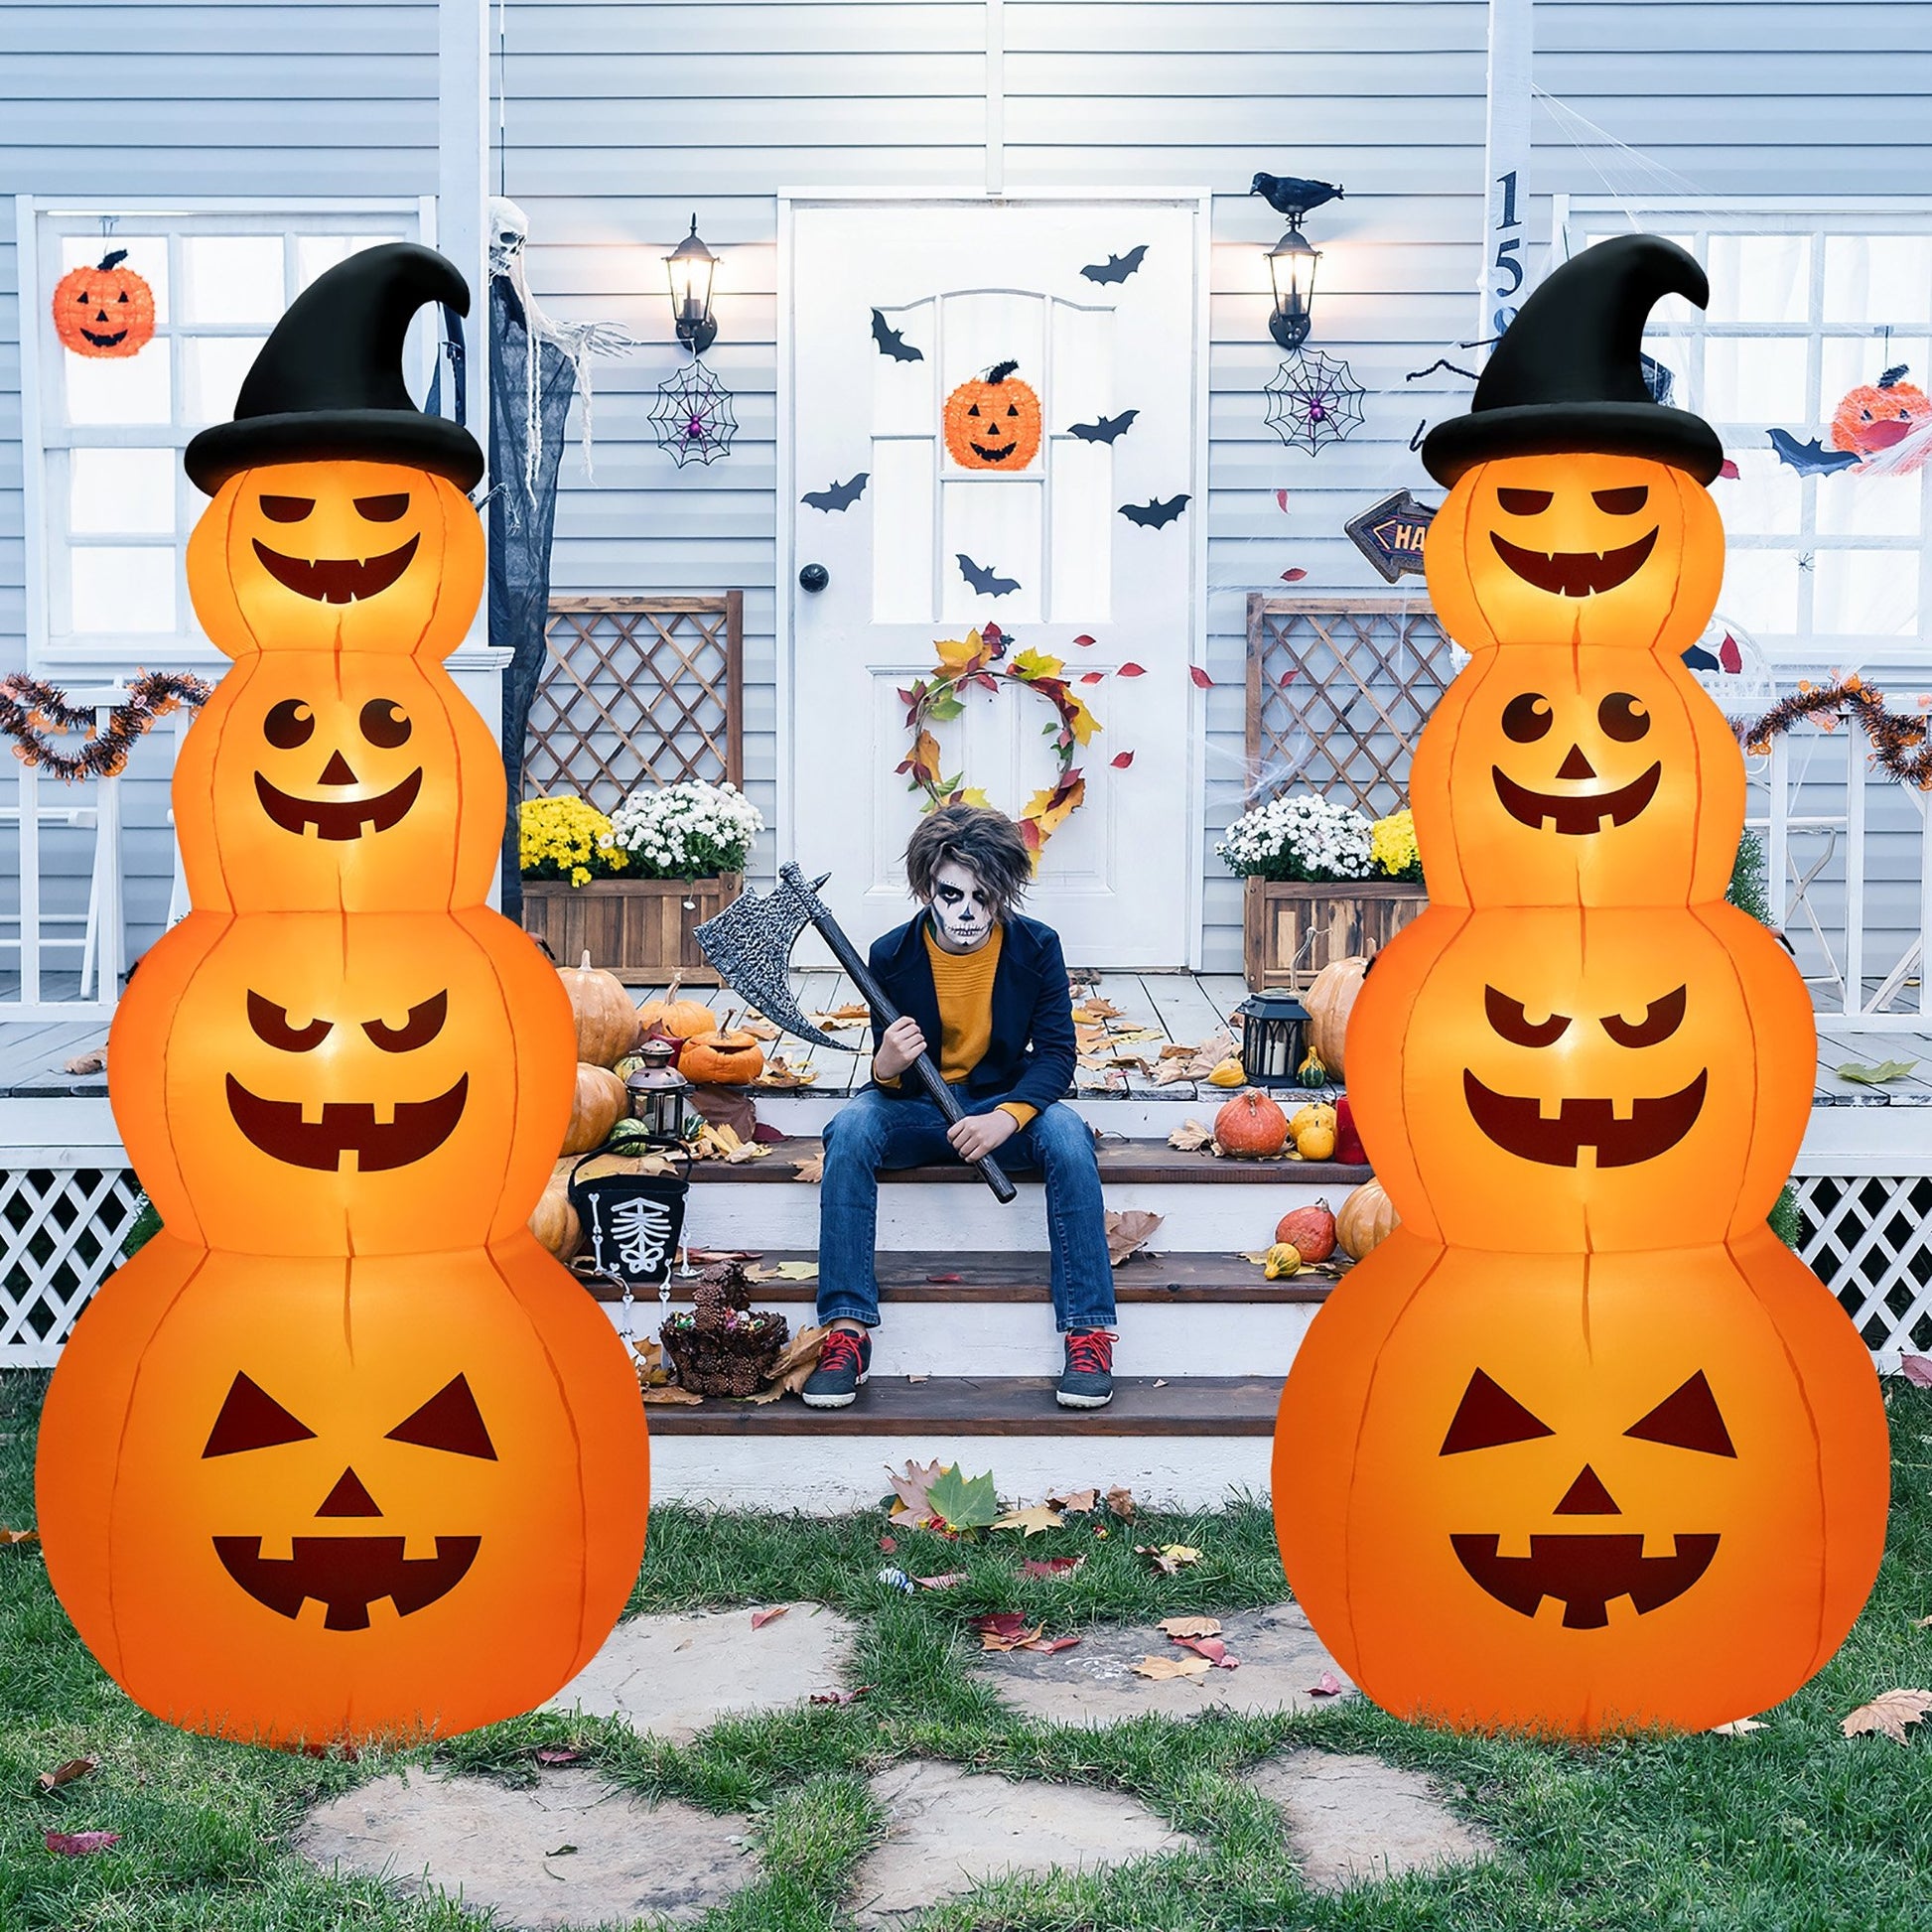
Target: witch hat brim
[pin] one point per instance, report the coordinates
(328, 383)
(1568, 375)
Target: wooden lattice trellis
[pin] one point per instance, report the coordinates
(60, 1235)
(638, 690)
(1339, 691)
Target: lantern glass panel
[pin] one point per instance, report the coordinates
(1274, 1038)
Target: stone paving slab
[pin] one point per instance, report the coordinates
(1279, 1655)
(950, 1829)
(501, 1849)
(1352, 1819)
(675, 1675)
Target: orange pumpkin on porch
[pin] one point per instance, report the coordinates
(104, 311)
(731, 1059)
(1251, 1125)
(673, 1019)
(993, 421)
(607, 1022)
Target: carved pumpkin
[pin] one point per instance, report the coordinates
(1251, 1125)
(1366, 1220)
(104, 311)
(309, 1085)
(295, 1443)
(1329, 1000)
(1574, 549)
(1878, 415)
(606, 1021)
(993, 421)
(722, 1059)
(1583, 1080)
(1581, 1491)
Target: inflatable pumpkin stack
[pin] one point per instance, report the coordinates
(342, 1451)
(1581, 1444)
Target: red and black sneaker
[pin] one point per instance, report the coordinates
(844, 1362)
(1087, 1380)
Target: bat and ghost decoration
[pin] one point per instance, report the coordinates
(1116, 268)
(1108, 428)
(891, 343)
(1152, 514)
(985, 581)
(838, 495)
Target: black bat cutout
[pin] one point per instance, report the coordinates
(1151, 514)
(1105, 429)
(986, 581)
(891, 342)
(840, 495)
(1116, 268)
(1810, 458)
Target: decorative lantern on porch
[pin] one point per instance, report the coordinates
(1274, 1038)
(657, 1091)
(690, 267)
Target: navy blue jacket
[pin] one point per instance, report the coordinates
(1031, 1056)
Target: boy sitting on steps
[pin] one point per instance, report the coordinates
(984, 990)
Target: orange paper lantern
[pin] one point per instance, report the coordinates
(105, 312)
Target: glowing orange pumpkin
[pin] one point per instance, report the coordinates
(1878, 415)
(104, 311)
(993, 421)
(327, 1482)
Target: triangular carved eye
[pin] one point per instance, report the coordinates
(251, 1419)
(1687, 1419)
(1488, 1417)
(450, 1419)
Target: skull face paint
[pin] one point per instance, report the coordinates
(963, 909)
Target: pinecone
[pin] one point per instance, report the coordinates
(719, 1292)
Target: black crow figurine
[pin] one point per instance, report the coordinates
(1289, 195)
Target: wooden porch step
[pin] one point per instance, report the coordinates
(995, 1405)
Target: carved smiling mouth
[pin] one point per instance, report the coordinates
(1584, 1572)
(996, 453)
(1576, 573)
(1576, 813)
(341, 818)
(335, 580)
(277, 1127)
(347, 1572)
(1515, 1122)
(106, 342)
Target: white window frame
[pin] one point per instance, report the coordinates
(40, 224)
(1573, 216)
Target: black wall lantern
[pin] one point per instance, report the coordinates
(658, 1090)
(690, 266)
(1290, 271)
(1274, 1038)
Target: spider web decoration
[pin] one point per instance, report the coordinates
(1314, 401)
(693, 414)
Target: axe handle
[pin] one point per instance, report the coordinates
(991, 1171)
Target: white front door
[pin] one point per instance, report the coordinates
(1083, 546)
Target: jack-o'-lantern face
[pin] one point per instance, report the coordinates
(993, 422)
(1878, 416)
(106, 311)
(1604, 1078)
(302, 1499)
(338, 778)
(1576, 548)
(389, 1081)
(357, 555)
(1560, 775)
(1586, 1569)
(357, 1557)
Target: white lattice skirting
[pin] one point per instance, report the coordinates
(1869, 1238)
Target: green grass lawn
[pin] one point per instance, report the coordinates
(1792, 1827)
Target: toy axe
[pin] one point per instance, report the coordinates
(749, 943)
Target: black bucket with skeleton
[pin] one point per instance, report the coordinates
(632, 1223)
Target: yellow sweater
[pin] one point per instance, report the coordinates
(964, 982)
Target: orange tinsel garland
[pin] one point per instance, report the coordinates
(30, 709)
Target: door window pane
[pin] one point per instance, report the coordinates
(116, 590)
(122, 492)
(212, 367)
(1754, 379)
(1878, 280)
(119, 390)
(231, 278)
(1864, 593)
(1761, 278)
(1761, 591)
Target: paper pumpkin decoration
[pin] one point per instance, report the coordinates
(343, 1452)
(1580, 1492)
(993, 421)
(338, 1493)
(1580, 1445)
(104, 311)
(1877, 415)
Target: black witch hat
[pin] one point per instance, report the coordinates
(328, 383)
(1568, 375)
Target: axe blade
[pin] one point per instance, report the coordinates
(749, 944)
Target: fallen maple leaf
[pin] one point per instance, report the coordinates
(75, 1768)
(8, 1536)
(1021, 1640)
(1033, 1521)
(1736, 1727)
(1053, 1566)
(1329, 1685)
(887, 1544)
(77, 1844)
(839, 1697)
(1079, 1501)
(1121, 1502)
(962, 1502)
(1161, 1668)
(796, 1360)
(1049, 1646)
(785, 1271)
(1167, 1559)
(681, 1398)
(1889, 1711)
(1129, 1229)
(1213, 1649)
(1916, 1369)
(1191, 1626)
(944, 1581)
(759, 1618)
(812, 1167)
(909, 1489)
(1190, 1135)
(557, 1754)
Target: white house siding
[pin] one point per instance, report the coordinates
(206, 98)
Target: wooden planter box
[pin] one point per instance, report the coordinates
(637, 928)
(1290, 931)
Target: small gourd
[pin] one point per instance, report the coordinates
(1316, 1141)
(1227, 1074)
(1310, 1230)
(1311, 1072)
(1284, 1259)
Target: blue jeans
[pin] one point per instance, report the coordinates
(872, 1132)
